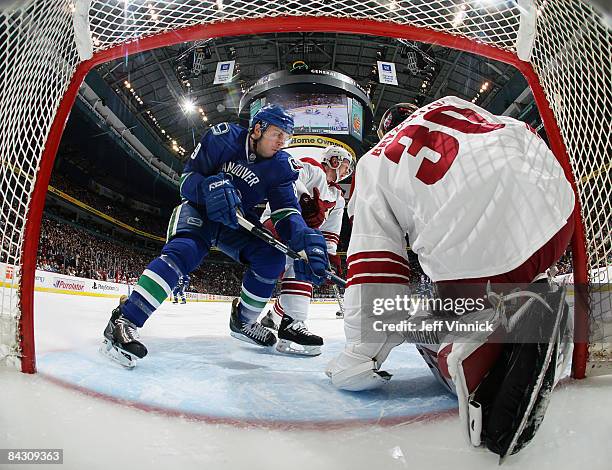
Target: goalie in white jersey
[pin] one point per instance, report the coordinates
(480, 197)
(322, 203)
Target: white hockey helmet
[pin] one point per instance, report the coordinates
(334, 155)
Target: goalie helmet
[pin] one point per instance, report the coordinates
(333, 156)
(395, 115)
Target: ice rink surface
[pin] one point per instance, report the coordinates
(204, 400)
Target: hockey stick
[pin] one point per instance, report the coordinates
(338, 299)
(270, 240)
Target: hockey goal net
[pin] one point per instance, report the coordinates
(563, 48)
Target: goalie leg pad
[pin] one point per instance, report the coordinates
(515, 394)
(357, 368)
(429, 353)
(356, 372)
(507, 393)
(366, 349)
(467, 364)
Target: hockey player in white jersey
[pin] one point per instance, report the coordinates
(482, 199)
(322, 203)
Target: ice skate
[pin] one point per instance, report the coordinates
(121, 341)
(339, 314)
(294, 338)
(254, 334)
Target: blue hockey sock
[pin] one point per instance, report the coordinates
(154, 286)
(255, 293)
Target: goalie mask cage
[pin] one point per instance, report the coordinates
(562, 47)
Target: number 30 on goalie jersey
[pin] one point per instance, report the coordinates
(476, 193)
(416, 137)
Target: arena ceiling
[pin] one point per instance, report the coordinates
(425, 73)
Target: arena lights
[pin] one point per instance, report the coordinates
(484, 88)
(492, 3)
(188, 106)
(176, 147)
(203, 114)
(425, 85)
(129, 86)
(183, 74)
(153, 13)
(460, 16)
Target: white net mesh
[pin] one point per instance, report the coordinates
(37, 61)
(113, 23)
(38, 57)
(574, 67)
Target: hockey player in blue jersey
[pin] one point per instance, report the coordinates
(232, 169)
(179, 290)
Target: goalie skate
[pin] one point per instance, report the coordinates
(294, 338)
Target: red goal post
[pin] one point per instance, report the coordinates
(48, 46)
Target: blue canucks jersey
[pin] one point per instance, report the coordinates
(225, 149)
(184, 281)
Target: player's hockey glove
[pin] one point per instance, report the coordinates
(314, 209)
(221, 199)
(313, 244)
(336, 263)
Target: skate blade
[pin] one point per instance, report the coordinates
(246, 339)
(117, 355)
(294, 349)
(340, 316)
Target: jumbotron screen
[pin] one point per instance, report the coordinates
(313, 113)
